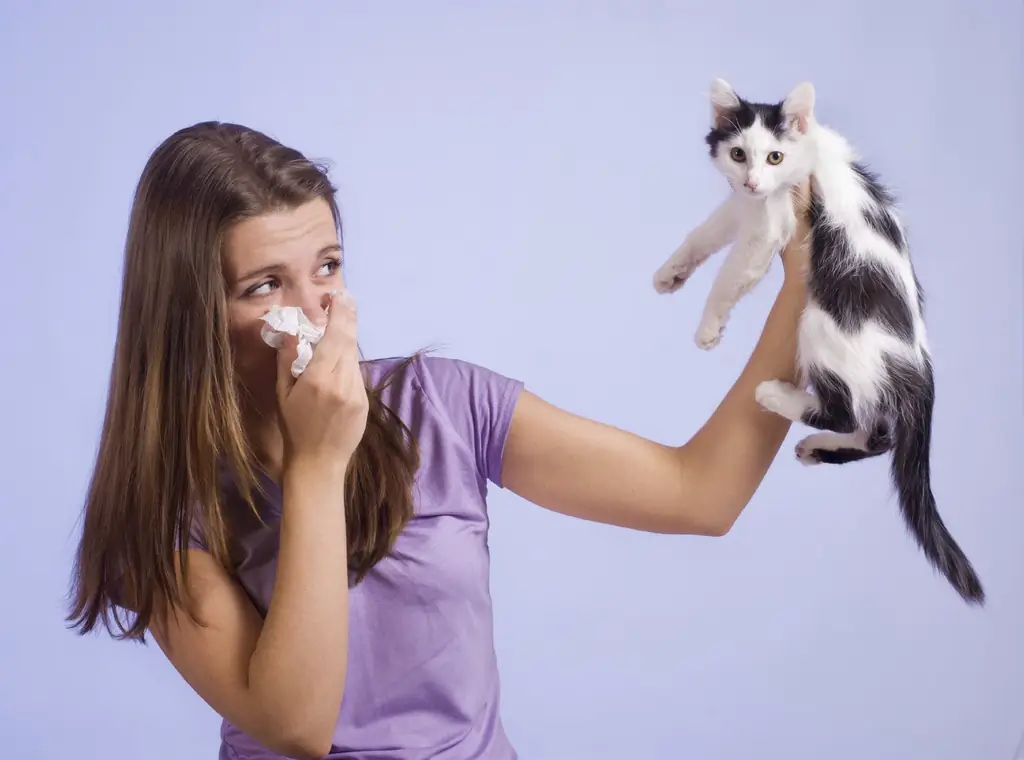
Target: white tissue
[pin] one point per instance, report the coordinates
(291, 320)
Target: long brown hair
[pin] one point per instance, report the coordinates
(173, 416)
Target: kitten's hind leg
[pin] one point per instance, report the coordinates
(840, 448)
(832, 407)
(744, 267)
(710, 237)
(830, 410)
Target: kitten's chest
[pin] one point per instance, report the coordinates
(772, 220)
(781, 219)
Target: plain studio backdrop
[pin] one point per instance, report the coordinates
(510, 177)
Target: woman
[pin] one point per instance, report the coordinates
(226, 490)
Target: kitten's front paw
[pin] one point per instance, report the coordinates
(671, 276)
(709, 334)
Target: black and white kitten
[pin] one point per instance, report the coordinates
(862, 343)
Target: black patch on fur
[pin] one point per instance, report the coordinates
(835, 403)
(877, 443)
(841, 456)
(742, 117)
(882, 222)
(879, 193)
(852, 291)
(880, 439)
(880, 218)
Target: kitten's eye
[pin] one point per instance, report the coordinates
(775, 158)
(737, 154)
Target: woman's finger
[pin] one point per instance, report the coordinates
(802, 197)
(334, 347)
(286, 354)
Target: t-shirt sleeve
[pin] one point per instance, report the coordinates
(197, 536)
(197, 532)
(478, 402)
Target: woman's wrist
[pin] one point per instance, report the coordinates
(796, 257)
(321, 474)
(794, 279)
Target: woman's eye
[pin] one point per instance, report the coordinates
(331, 267)
(263, 289)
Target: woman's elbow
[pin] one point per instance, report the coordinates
(710, 527)
(305, 747)
(719, 528)
(715, 520)
(302, 736)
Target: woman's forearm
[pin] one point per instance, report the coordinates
(298, 668)
(737, 445)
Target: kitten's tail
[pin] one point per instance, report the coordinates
(911, 474)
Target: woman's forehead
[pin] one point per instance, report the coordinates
(281, 236)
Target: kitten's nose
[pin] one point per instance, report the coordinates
(750, 185)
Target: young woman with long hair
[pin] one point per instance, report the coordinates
(311, 553)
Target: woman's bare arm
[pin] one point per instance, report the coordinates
(591, 470)
(280, 680)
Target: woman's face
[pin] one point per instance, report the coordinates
(287, 258)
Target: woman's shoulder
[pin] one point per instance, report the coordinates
(437, 375)
(468, 399)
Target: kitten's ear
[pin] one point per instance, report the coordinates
(798, 107)
(724, 101)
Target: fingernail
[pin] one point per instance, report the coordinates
(342, 295)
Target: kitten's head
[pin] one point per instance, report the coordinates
(761, 148)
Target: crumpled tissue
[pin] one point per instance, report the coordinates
(291, 320)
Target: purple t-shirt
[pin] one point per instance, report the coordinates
(422, 677)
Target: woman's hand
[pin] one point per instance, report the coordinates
(323, 412)
(796, 256)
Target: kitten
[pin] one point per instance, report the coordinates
(762, 152)
(862, 344)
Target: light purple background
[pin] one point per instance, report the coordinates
(511, 176)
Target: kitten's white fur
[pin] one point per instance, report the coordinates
(757, 217)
